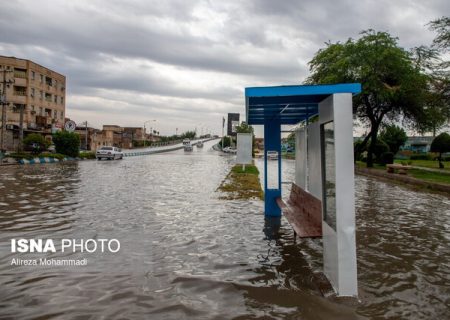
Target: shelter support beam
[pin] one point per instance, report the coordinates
(272, 189)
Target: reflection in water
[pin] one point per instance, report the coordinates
(187, 254)
(272, 227)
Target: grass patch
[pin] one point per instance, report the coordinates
(58, 156)
(362, 164)
(288, 155)
(430, 176)
(249, 169)
(242, 185)
(434, 164)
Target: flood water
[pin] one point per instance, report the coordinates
(185, 254)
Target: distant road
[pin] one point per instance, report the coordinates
(152, 150)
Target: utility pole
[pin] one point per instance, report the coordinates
(223, 126)
(22, 107)
(4, 103)
(86, 137)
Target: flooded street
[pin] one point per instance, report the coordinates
(187, 254)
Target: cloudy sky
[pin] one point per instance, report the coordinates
(185, 63)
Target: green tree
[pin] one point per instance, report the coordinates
(244, 128)
(36, 143)
(436, 111)
(188, 135)
(441, 144)
(391, 85)
(67, 143)
(226, 142)
(394, 136)
(442, 28)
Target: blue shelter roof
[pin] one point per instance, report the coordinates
(290, 104)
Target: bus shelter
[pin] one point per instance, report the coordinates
(322, 196)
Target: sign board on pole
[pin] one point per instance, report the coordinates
(70, 126)
(233, 121)
(244, 148)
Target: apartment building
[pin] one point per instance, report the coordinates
(35, 99)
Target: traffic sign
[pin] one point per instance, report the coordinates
(70, 126)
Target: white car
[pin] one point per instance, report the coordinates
(272, 155)
(229, 150)
(110, 153)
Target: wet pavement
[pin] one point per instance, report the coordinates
(187, 254)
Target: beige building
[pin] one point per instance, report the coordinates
(117, 136)
(35, 94)
(111, 135)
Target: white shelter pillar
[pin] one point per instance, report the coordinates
(338, 193)
(300, 158)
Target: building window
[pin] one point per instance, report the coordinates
(40, 111)
(20, 91)
(41, 78)
(62, 115)
(32, 108)
(55, 98)
(33, 74)
(62, 100)
(32, 92)
(41, 93)
(55, 114)
(56, 84)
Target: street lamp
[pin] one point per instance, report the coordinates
(143, 135)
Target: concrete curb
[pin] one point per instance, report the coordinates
(40, 160)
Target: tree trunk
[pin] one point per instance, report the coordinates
(360, 147)
(441, 165)
(373, 142)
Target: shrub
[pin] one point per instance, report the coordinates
(35, 143)
(421, 156)
(226, 142)
(358, 150)
(441, 144)
(87, 155)
(394, 136)
(67, 143)
(52, 155)
(21, 155)
(387, 158)
(380, 148)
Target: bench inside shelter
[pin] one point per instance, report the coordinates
(303, 211)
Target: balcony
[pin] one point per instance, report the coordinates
(20, 82)
(20, 99)
(20, 73)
